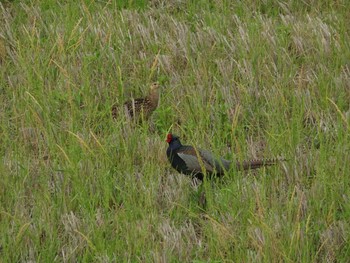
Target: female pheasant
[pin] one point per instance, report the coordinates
(141, 107)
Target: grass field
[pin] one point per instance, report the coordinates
(246, 79)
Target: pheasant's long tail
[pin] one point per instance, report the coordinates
(254, 164)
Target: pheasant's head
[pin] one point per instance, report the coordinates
(154, 86)
(171, 138)
(174, 141)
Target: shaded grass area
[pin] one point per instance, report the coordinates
(247, 80)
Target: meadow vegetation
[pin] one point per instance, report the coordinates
(246, 79)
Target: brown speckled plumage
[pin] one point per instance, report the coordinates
(141, 107)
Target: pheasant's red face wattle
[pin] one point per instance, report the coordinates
(169, 138)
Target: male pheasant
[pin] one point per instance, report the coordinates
(141, 107)
(192, 161)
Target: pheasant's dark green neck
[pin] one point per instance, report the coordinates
(175, 144)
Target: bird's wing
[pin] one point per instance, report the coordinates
(134, 104)
(190, 157)
(218, 164)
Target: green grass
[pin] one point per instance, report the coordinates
(244, 79)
